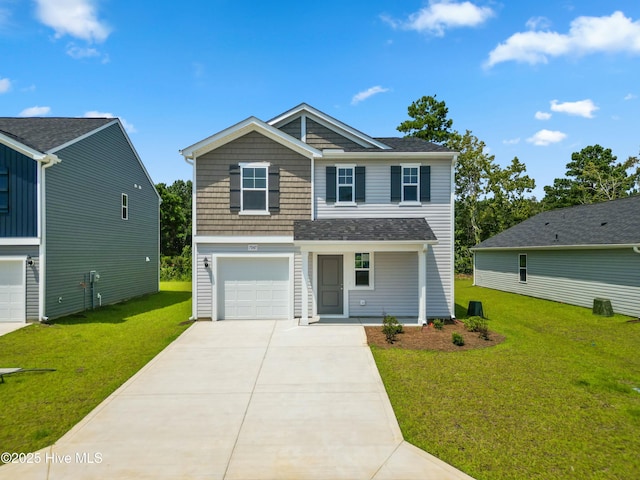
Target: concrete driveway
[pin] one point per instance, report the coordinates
(244, 400)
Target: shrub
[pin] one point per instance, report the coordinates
(477, 324)
(438, 324)
(176, 268)
(391, 327)
(457, 339)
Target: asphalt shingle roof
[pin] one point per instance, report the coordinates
(45, 133)
(403, 144)
(364, 229)
(616, 222)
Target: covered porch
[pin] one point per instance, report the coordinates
(361, 269)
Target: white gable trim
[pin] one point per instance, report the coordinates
(28, 151)
(251, 124)
(329, 122)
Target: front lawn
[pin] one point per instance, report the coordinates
(556, 400)
(93, 354)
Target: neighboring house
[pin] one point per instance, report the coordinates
(306, 217)
(79, 218)
(570, 255)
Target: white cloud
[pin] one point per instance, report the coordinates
(81, 52)
(95, 114)
(77, 18)
(35, 111)
(441, 15)
(546, 137)
(542, 115)
(630, 96)
(538, 23)
(362, 96)
(615, 33)
(5, 85)
(511, 141)
(581, 108)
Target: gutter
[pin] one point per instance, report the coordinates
(636, 249)
(48, 161)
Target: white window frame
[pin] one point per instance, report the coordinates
(125, 206)
(403, 184)
(521, 268)
(351, 202)
(266, 166)
(370, 270)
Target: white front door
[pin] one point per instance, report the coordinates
(253, 288)
(12, 291)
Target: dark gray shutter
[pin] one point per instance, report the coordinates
(234, 188)
(360, 184)
(274, 189)
(331, 184)
(396, 183)
(425, 183)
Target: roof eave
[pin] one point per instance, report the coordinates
(350, 242)
(27, 151)
(598, 246)
(337, 155)
(242, 128)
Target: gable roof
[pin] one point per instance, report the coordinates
(251, 124)
(328, 121)
(616, 222)
(364, 229)
(46, 133)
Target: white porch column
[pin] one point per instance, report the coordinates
(422, 284)
(304, 319)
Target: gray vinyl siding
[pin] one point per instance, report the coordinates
(33, 275)
(438, 212)
(395, 287)
(569, 276)
(205, 277)
(85, 230)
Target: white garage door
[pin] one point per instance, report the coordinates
(253, 288)
(12, 291)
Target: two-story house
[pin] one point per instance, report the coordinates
(306, 217)
(79, 218)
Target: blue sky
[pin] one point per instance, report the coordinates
(537, 80)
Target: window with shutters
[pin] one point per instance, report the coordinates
(254, 188)
(410, 184)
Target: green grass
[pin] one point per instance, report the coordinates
(555, 400)
(93, 354)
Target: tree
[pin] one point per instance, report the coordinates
(593, 176)
(428, 120)
(175, 217)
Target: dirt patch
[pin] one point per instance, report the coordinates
(430, 338)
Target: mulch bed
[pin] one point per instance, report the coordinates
(430, 338)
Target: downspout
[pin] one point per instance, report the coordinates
(51, 160)
(636, 249)
(194, 250)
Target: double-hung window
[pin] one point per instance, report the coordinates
(345, 184)
(410, 183)
(4, 190)
(125, 206)
(254, 188)
(363, 270)
(522, 267)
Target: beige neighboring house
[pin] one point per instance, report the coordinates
(303, 216)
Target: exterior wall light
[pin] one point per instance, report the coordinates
(206, 262)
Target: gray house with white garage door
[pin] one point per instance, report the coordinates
(571, 255)
(79, 218)
(303, 216)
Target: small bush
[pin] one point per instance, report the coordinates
(438, 324)
(457, 339)
(477, 324)
(391, 327)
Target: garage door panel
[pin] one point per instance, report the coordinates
(256, 288)
(12, 291)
